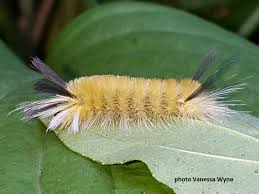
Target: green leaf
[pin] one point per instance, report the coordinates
(197, 151)
(35, 162)
(153, 41)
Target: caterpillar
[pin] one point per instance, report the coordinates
(108, 102)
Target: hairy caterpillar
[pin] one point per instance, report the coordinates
(121, 102)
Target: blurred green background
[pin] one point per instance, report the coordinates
(122, 38)
(29, 26)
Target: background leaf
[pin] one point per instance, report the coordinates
(35, 162)
(140, 39)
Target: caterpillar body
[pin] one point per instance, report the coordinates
(108, 102)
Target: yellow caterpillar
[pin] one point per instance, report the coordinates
(119, 102)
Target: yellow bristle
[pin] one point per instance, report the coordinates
(116, 99)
